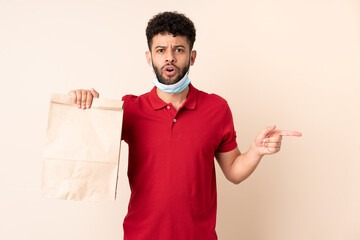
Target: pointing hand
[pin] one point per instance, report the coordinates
(269, 140)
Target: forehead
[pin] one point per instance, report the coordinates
(167, 39)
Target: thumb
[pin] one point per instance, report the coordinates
(94, 93)
(265, 133)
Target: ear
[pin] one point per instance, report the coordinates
(148, 58)
(193, 57)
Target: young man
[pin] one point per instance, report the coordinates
(174, 132)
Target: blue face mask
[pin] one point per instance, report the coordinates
(172, 88)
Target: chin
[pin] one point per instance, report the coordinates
(169, 81)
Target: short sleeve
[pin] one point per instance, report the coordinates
(228, 134)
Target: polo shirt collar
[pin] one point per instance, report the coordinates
(190, 102)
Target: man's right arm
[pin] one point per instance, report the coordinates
(83, 98)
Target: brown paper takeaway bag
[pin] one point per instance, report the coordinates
(82, 150)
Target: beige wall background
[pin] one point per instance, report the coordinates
(291, 63)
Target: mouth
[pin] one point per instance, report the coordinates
(170, 70)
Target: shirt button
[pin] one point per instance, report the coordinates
(168, 107)
(174, 120)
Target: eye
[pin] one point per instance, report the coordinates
(179, 50)
(160, 50)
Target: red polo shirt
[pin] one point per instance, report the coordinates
(171, 167)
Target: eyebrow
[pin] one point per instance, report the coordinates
(176, 46)
(179, 46)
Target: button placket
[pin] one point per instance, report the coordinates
(176, 122)
(172, 114)
(170, 111)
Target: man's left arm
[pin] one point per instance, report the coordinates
(237, 167)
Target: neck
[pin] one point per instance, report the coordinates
(175, 99)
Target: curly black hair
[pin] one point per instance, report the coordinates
(173, 23)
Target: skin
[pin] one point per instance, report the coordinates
(169, 50)
(237, 167)
(166, 50)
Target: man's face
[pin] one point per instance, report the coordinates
(171, 57)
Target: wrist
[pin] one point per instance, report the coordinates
(255, 151)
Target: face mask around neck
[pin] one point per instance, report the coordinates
(172, 88)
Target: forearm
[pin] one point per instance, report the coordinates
(244, 165)
(237, 167)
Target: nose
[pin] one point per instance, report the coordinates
(170, 57)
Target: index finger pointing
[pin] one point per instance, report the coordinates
(287, 133)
